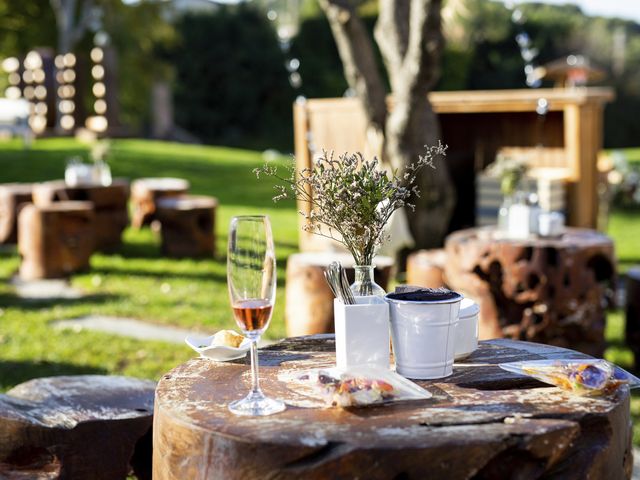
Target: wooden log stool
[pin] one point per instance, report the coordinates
(145, 192)
(187, 225)
(109, 203)
(425, 268)
(309, 301)
(77, 427)
(55, 240)
(12, 197)
(632, 312)
(547, 290)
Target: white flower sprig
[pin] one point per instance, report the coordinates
(352, 197)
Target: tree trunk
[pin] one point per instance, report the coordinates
(409, 35)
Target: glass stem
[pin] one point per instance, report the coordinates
(255, 384)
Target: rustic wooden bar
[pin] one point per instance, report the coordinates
(482, 423)
(475, 125)
(547, 290)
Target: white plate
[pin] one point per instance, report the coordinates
(221, 353)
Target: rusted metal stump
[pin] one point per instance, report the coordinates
(12, 197)
(187, 225)
(145, 192)
(77, 427)
(632, 312)
(552, 291)
(55, 240)
(109, 203)
(481, 423)
(309, 301)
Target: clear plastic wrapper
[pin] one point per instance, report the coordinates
(360, 386)
(589, 377)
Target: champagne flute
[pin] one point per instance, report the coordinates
(251, 277)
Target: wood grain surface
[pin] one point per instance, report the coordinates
(481, 422)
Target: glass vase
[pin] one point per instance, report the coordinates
(503, 213)
(365, 284)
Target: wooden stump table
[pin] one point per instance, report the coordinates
(187, 225)
(55, 240)
(12, 197)
(83, 427)
(109, 204)
(482, 423)
(547, 290)
(145, 192)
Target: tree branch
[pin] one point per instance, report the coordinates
(83, 23)
(360, 66)
(392, 35)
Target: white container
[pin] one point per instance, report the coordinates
(362, 332)
(550, 224)
(467, 329)
(424, 334)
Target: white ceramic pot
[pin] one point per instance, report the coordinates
(362, 332)
(423, 335)
(467, 329)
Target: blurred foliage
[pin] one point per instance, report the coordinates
(231, 85)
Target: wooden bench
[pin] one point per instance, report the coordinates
(145, 192)
(12, 197)
(89, 427)
(109, 203)
(55, 240)
(187, 225)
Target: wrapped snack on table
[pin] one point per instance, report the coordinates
(588, 377)
(361, 386)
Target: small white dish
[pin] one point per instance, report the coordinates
(220, 353)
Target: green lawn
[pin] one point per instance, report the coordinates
(138, 283)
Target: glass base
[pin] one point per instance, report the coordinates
(256, 404)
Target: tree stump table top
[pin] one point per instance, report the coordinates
(77, 427)
(547, 290)
(481, 422)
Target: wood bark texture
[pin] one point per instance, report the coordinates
(482, 423)
(409, 36)
(632, 312)
(109, 202)
(187, 225)
(85, 427)
(12, 197)
(55, 240)
(551, 291)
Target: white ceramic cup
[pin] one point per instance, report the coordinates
(467, 329)
(423, 335)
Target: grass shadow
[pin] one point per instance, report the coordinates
(8, 300)
(14, 372)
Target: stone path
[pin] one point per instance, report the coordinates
(128, 327)
(45, 289)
